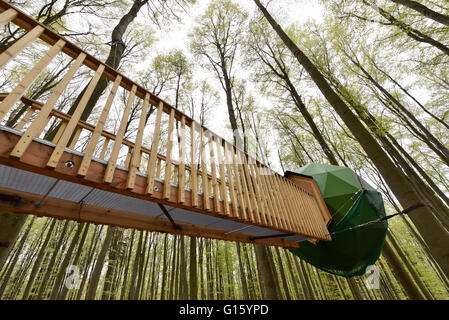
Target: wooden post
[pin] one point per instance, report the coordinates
(154, 148)
(90, 149)
(7, 16)
(193, 164)
(29, 78)
(62, 143)
(40, 122)
(21, 44)
(112, 163)
(168, 164)
(25, 119)
(136, 157)
(214, 174)
(182, 160)
(221, 165)
(204, 177)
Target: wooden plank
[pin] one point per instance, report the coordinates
(62, 143)
(221, 167)
(21, 44)
(244, 183)
(214, 174)
(136, 156)
(154, 147)
(90, 149)
(158, 167)
(230, 180)
(193, 164)
(7, 16)
(271, 196)
(287, 202)
(260, 194)
(238, 183)
(29, 79)
(279, 201)
(24, 119)
(204, 177)
(168, 164)
(252, 193)
(38, 124)
(61, 127)
(103, 151)
(182, 160)
(112, 162)
(75, 137)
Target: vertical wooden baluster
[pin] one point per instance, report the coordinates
(175, 173)
(182, 161)
(128, 157)
(21, 44)
(250, 183)
(234, 212)
(25, 119)
(271, 196)
(245, 189)
(62, 143)
(288, 213)
(261, 195)
(168, 164)
(204, 178)
(39, 123)
(61, 128)
(221, 166)
(103, 149)
(238, 183)
(75, 138)
(137, 155)
(280, 201)
(112, 163)
(154, 149)
(29, 78)
(214, 174)
(268, 195)
(298, 209)
(90, 149)
(158, 167)
(193, 164)
(7, 16)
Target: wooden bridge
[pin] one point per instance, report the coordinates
(195, 184)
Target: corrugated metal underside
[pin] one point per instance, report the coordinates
(21, 180)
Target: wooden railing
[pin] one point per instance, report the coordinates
(211, 175)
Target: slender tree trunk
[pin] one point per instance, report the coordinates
(95, 277)
(193, 278)
(16, 257)
(402, 275)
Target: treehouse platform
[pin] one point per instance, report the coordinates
(156, 169)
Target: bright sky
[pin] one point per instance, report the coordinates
(290, 11)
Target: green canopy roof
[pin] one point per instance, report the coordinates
(351, 202)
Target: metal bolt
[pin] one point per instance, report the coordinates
(69, 164)
(156, 188)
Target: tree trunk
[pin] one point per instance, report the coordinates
(264, 270)
(425, 11)
(95, 277)
(429, 227)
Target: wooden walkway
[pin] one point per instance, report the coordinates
(184, 173)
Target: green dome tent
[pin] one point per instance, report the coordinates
(352, 202)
